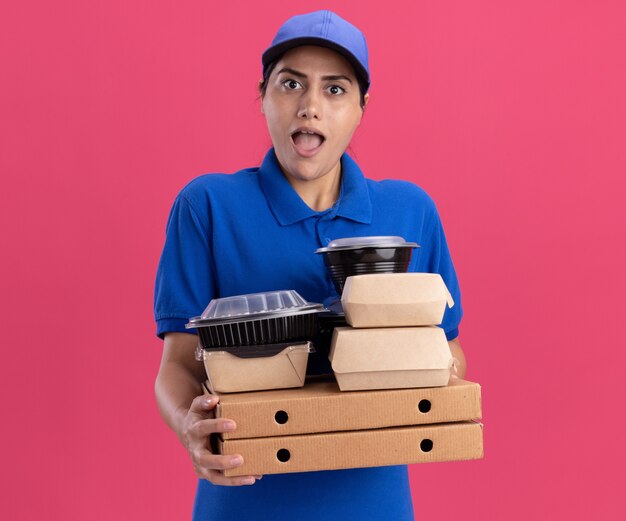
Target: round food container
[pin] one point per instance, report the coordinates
(328, 321)
(364, 255)
(256, 319)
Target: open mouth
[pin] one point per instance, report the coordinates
(307, 141)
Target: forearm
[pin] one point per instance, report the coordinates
(178, 381)
(175, 389)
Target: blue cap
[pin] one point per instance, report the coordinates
(326, 29)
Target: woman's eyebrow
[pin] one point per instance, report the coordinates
(336, 77)
(292, 71)
(332, 77)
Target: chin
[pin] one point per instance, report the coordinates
(306, 169)
(301, 168)
(305, 174)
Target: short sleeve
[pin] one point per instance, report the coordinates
(435, 258)
(184, 280)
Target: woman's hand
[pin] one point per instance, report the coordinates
(191, 416)
(457, 353)
(197, 428)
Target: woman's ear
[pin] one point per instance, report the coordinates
(261, 94)
(366, 100)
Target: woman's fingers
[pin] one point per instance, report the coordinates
(202, 404)
(217, 478)
(200, 425)
(204, 428)
(211, 466)
(209, 461)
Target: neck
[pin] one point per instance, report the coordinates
(319, 194)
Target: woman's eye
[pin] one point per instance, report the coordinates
(336, 89)
(292, 84)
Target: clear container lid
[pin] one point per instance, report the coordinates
(255, 305)
(379, 241)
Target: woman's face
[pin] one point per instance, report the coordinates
(312, 107)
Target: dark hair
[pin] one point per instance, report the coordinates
(272, 65)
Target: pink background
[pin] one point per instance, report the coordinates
(511, 115)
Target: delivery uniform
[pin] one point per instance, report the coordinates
(248, 232)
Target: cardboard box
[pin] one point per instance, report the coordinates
(354, 449)
(390, 358)
(395, 299)
(228, 373)
(320, 406)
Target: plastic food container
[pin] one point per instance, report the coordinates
(363, 255)
(256, 318)
(328, 321)
(395, 300)
(228, 373)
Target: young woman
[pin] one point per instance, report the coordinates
(257, 230)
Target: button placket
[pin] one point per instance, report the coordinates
(320, 229)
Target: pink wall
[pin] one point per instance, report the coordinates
(512, 116)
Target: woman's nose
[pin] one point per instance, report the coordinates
(310, 105)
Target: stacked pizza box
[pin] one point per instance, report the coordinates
(393, 400)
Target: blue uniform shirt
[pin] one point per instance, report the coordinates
(230, 234)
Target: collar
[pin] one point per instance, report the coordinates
(354, 201)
